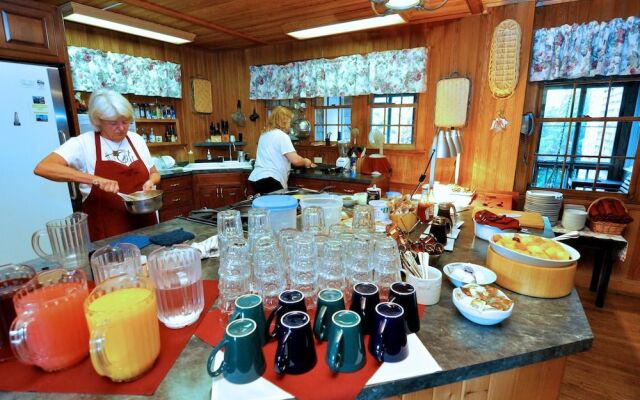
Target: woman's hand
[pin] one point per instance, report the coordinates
(148, 185)
(308, 163)
(107, 185)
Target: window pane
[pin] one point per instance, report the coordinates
(345, 133)
(406, 135)
(406, 116)
(396, 100)
(557, 102)
(319, 132)
(589, 138)
(377, 116)
(548, 176)
(379, 99)
(346, 100)
(615, 101)
(332, 131)
(553, 138)
(319, 117)
(345, 116)
(408, 100)
(394, 114)
(332, 116)
(392, 135)
(595, 102)
(634, 137)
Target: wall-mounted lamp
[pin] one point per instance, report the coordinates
(122, 23)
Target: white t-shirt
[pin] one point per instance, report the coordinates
(270, 160)
(80, 153)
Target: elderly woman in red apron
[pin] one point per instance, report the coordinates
(105, 161)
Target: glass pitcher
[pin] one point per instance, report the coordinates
(69, 238)
(110, 261)
(50, 330)
(177, 274)
(12, 278)
(124, 331)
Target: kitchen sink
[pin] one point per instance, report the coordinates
(217, 165)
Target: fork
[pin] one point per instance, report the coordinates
(471, 271)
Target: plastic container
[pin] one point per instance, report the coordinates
(282, 210)
(330, 204)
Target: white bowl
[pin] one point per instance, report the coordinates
(457, 276)
(485, 232)
(531, 260)
(484, 317)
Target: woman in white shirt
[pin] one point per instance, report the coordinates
(276, 154)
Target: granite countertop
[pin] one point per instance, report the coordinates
(538, 330)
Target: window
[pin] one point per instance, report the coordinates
(271, 104)
(588, 135)
(332, 118)
(395, 116)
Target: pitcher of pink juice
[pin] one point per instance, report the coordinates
(50, 330)
(177, 274)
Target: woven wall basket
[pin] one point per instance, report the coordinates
(201, 95)
(504, 61)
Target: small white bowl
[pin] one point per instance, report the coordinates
(348, 201)
(457, 276)
(485, 317)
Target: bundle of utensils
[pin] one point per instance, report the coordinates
(417, 268)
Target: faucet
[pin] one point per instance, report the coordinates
(234, 149)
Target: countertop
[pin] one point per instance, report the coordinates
(538, 330)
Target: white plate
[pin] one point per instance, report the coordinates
(531, 260)
(544, 194)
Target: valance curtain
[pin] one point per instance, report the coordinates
(384, 72)
(93, 69)
(586, 50)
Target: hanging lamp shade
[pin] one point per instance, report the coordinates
(442, 146)
(452, 148)
(457, 140)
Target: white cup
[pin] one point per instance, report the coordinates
(573, 219)
(427, 290)
(380, 210)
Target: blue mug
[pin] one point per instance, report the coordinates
(345, 350)
(364, 299)
(296, 351)
(405, 294)
(250, 306)
(329, 302)
(388, 342)
(288, 300)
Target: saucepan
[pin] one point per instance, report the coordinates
(143, 202)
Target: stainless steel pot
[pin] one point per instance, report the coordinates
(145, 202)
(240, 156)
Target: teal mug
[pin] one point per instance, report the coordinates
(250, 306)
(243, 358)
(329, 302)
(345, 350)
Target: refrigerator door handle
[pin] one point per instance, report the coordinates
(63, 136)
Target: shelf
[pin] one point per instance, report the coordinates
(157, 121)
(219, 144)
(164, 144)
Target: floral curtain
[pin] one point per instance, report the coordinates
(586, 50)
(386, 72)
(93, 69)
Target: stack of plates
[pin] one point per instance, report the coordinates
(545, 203)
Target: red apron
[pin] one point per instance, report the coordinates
(107, 214)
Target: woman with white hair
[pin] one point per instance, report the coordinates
(109, 160)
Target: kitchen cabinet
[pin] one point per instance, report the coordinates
(177, 198)
(219, 189)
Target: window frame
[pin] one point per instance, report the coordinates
(565, 166)
(414, 132)
(313, 107)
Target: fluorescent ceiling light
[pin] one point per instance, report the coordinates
(351, 26)
(122, 23)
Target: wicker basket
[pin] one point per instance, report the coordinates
(610, 228)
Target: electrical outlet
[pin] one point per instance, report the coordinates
(317, 160)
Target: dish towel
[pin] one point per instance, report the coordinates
(138, 240)
(171, 237)
(498, 221)
(208, 248)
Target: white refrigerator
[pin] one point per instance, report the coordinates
(33, 123)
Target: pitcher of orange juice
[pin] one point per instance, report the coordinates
(50, 330)
(124, 330)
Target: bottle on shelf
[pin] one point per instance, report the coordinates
(157, 112)
(167, 133)
(174, 137)
(173, 112)
(152, 136)
(147, 111)
(144, 135)
(191, 156)
(208, 154)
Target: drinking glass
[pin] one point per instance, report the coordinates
(331, 271)
(313, 220)
(233, 275)
(359, 267)
(12, 278)
(268, 271)
(386, 264)
(177, 274)
(336, 230)
(286, 241)
(108, 261)
(363, 221)
(303, 273)
(124, 332)
(69, 238)
(258, 221)
(50, 329)
(321, 241)
(229, 225)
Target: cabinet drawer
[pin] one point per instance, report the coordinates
(221, 179)
(172, 212)
(176, 184)
(182, 198)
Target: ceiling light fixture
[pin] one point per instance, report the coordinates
(351, 26)
(122, 23)
(395, 6)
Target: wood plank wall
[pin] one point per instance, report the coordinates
(626, 275)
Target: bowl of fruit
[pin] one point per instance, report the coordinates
(534, 250)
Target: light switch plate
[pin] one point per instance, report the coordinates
(317, 160)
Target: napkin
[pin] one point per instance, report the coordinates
(138, 240)
(501, 222)
(172, 237)
(208, 248)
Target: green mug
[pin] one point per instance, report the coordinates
(345, 350)
(250, 306)
(329, 301)
(243, 358)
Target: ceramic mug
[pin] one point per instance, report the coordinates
(405, 294)
(289, 300)
(329, 302)
(388, 342)
(243, 358)
(296, 351)
(345, 350)
(250, 306)
(364, 299)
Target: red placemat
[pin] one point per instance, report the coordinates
(82, 378)
(319, 383)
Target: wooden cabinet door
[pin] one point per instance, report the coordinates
(232, 194)
(30, 31)
(209, 197)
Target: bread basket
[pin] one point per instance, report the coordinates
(611, 228)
